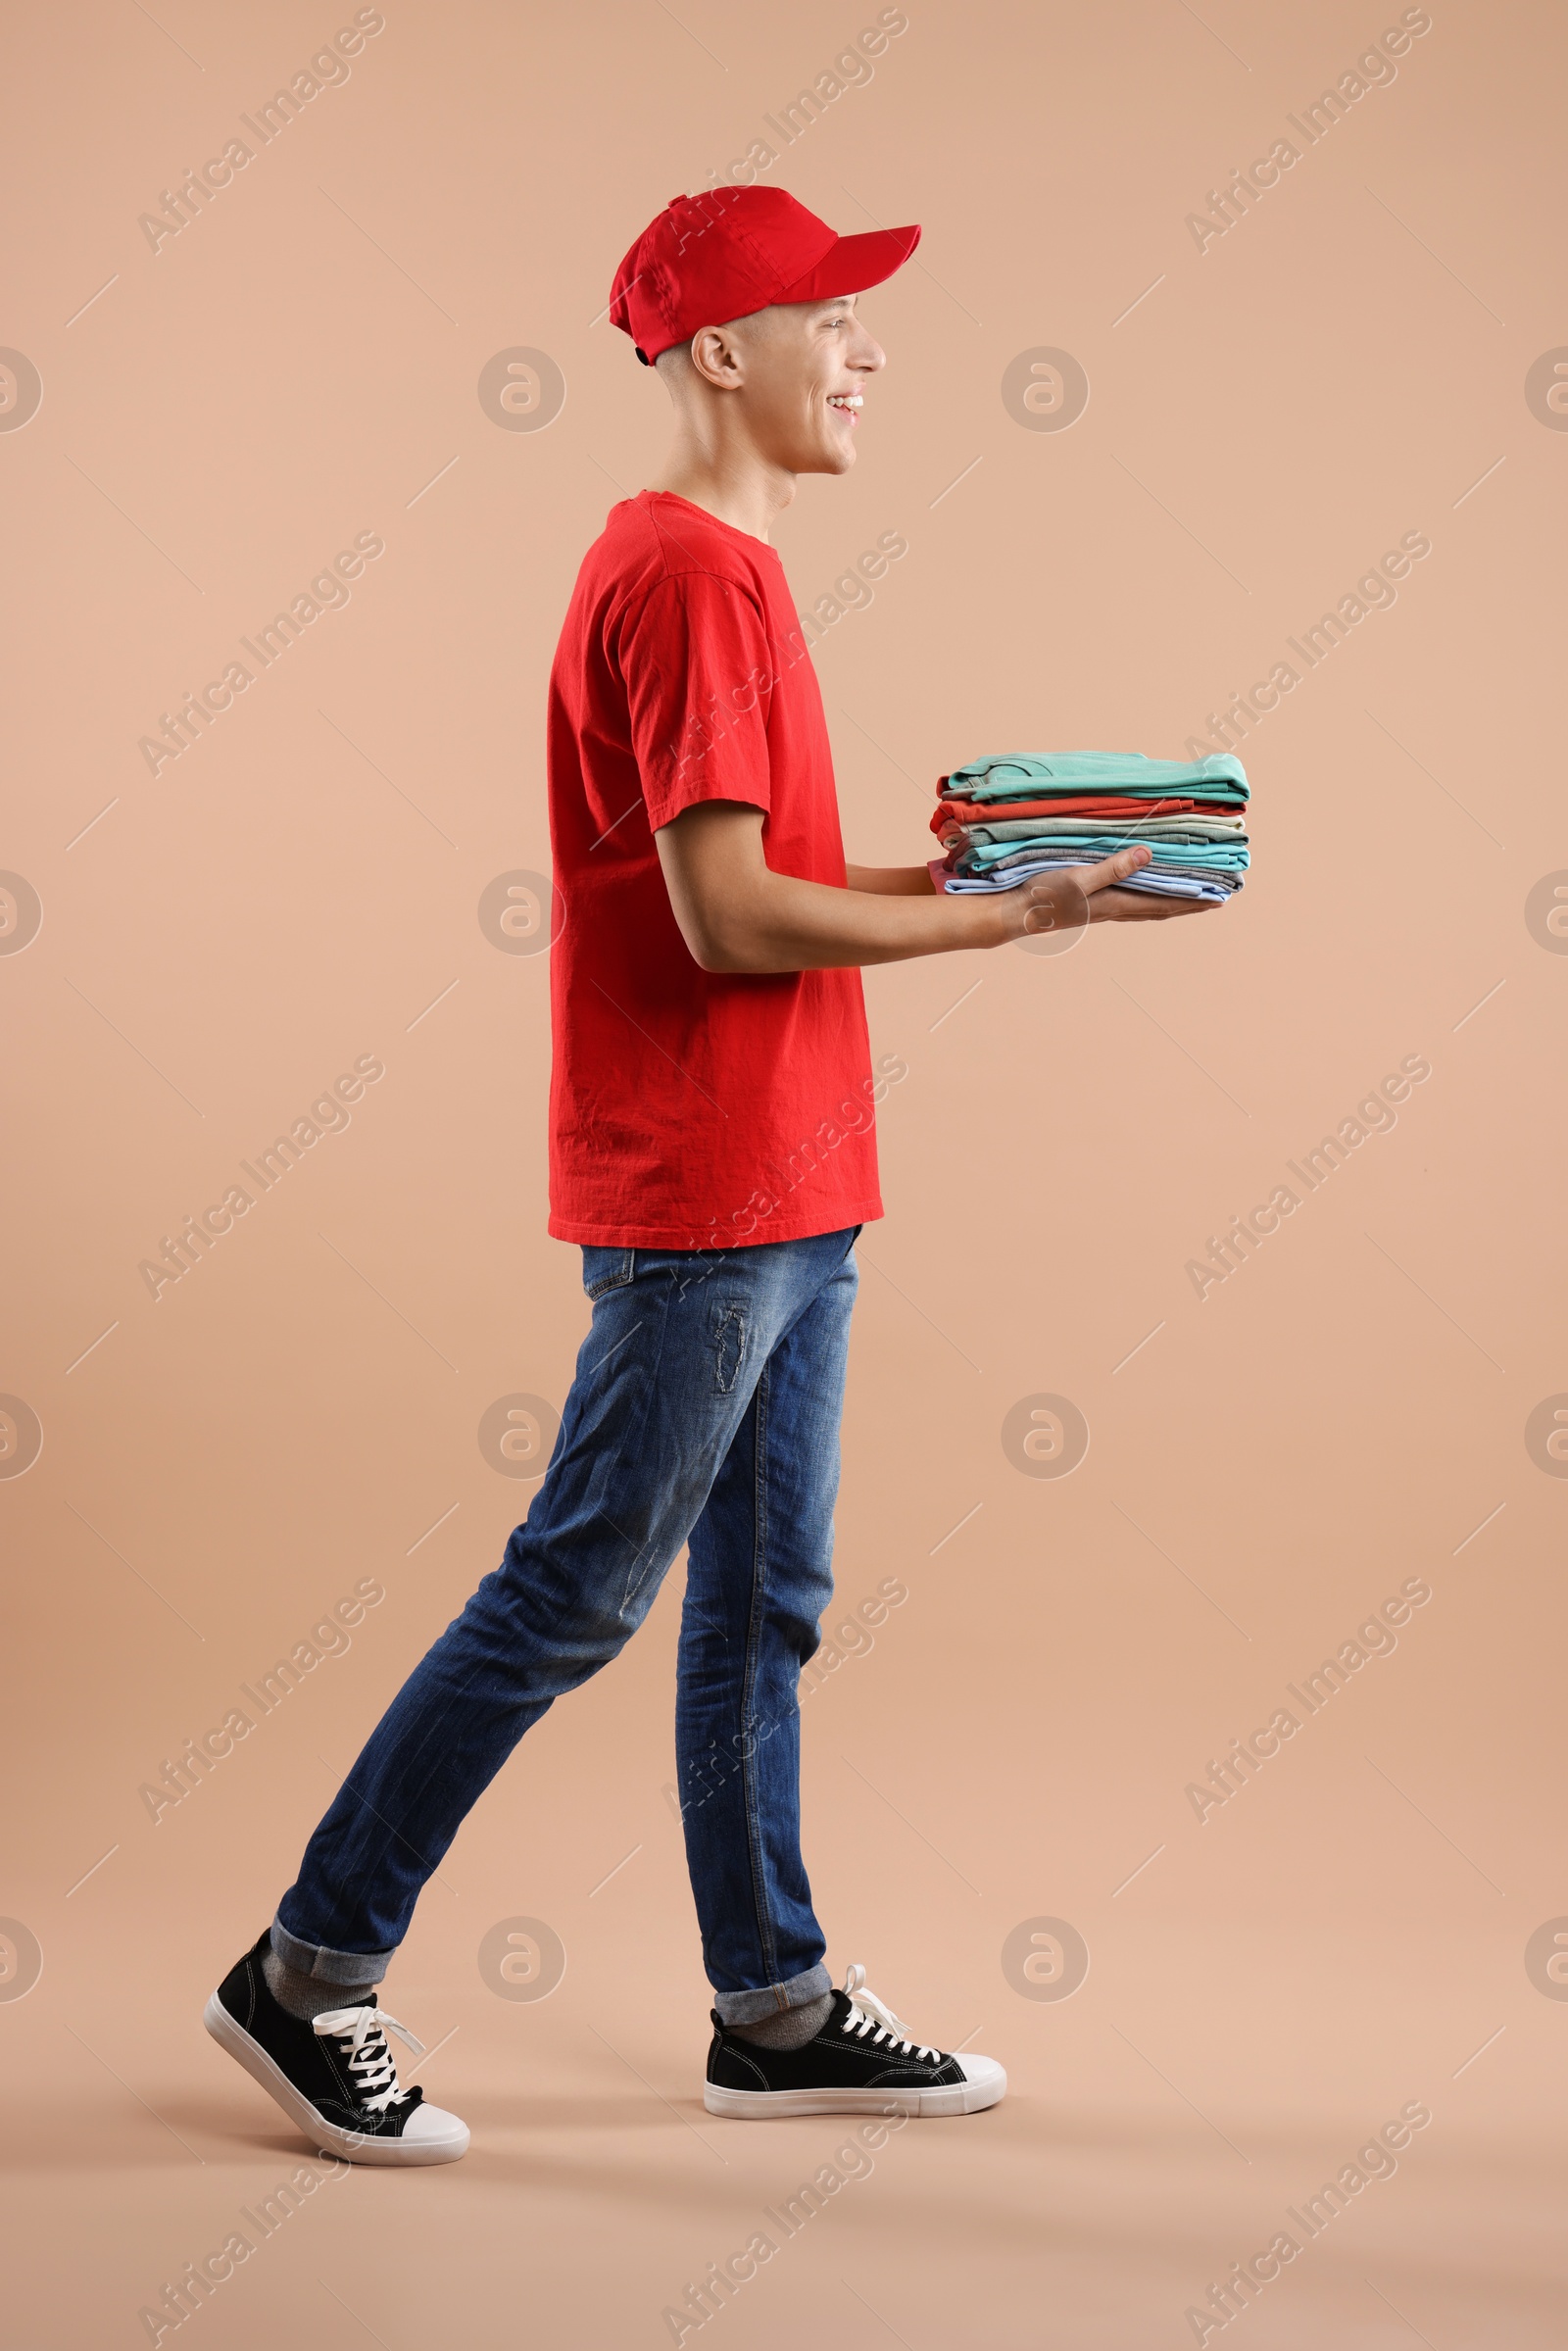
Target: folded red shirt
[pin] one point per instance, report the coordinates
(998, 811)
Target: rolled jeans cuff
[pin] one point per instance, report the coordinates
(328, 1967)
(750, 2007)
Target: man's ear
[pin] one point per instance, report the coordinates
(718, 358)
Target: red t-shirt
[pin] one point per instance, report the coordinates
(690, 1109)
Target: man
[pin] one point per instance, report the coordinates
(714, 1154)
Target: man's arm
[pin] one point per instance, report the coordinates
(893, 881)
(736, 914)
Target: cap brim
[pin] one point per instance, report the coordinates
(854, 263)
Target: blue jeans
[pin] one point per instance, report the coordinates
(705, 1410)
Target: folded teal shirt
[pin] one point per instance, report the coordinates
(1110, 836)
(1035, 775)
(1231, 857)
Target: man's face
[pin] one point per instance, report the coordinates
(807, 366)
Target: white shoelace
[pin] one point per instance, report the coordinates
(361, 2033)
(869, 2014)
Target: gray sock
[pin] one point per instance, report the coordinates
(308, 1996)
(791, 2028)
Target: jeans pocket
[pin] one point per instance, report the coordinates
(607, 1269)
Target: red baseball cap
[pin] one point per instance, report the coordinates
(726, 252)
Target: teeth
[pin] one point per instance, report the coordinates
(845, 400)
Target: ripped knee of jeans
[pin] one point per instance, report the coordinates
(729, 1348)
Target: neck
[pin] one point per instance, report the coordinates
(731, 480)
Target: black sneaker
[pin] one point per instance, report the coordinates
(334, 2076)
(861, 2062)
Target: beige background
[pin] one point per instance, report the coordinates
(300, 365)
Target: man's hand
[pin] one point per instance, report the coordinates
(1111, 904)
(1107, 904)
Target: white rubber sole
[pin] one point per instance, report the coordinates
(989, 2087)
(443, 2139)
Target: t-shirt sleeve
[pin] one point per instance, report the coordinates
(699, 675)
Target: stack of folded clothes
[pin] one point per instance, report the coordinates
(1002, 820)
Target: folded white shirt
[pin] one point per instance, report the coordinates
(1157, 885)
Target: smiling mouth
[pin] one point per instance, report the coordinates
(847, 404)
